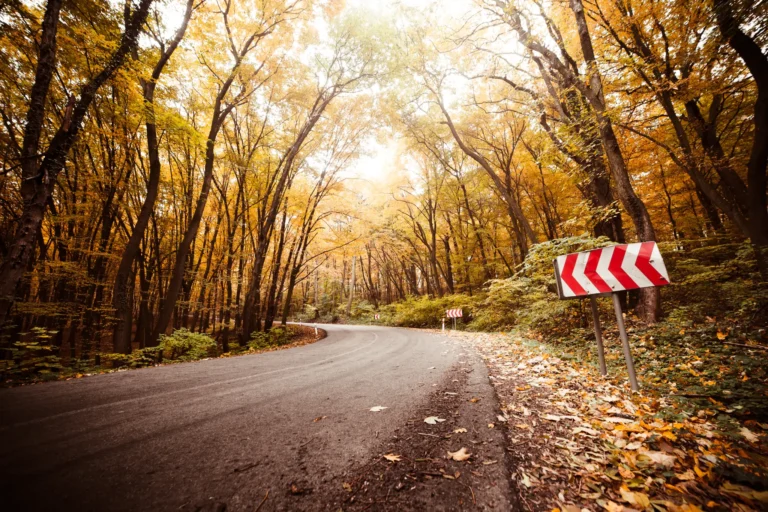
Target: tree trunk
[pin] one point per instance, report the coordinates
(649, 305)
(122, 298)
(757, 62)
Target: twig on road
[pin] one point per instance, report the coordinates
(474, 502)
(262, 501)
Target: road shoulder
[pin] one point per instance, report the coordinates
(423, 476)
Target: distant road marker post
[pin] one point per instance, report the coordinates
(600, 272)
(453, 313)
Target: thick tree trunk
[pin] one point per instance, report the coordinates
(757, 62)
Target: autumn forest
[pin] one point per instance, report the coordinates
(225, 166)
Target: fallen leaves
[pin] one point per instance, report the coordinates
(459, 431)
(391, 457)
(748, 435)
(433, 420)
(661, 459)
(635, 498)
(378, 408)
(459, 455)
(588, 440)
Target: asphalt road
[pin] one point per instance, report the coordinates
(223, 431)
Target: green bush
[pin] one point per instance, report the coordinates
(34, 358)
(275, 337)
(713, 282)
(185, 345)
(309, 314)
(429, 312)
(529, 298)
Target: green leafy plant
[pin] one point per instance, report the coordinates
(275, 337)
(185, 345)
(34, 357)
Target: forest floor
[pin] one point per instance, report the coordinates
(578, 441)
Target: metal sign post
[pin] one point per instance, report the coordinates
(600, 272)
(598, 336)
(443, 324)
(625, 342)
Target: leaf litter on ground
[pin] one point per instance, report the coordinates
(580, 441)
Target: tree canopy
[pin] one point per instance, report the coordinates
(223, 165)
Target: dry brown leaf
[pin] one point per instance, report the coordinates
(459, 455)
(611, 506)
(391, 457)
(662, 459)
(625, 473)
(586, 431)
(748, 435)
(616, 419)
(685, 507)
(635, 498)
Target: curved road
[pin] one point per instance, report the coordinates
(222, 431)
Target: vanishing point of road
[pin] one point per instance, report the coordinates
(216, 434)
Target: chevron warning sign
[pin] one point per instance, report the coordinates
(610, 269)
(453, 313)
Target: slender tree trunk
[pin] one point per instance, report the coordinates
(351, 287)
(649, 305)
(182, 253)
(122, 298)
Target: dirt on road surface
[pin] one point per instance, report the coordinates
(287, 430)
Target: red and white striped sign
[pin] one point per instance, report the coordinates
(610, 269)
(453, 313)
(376, 316)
